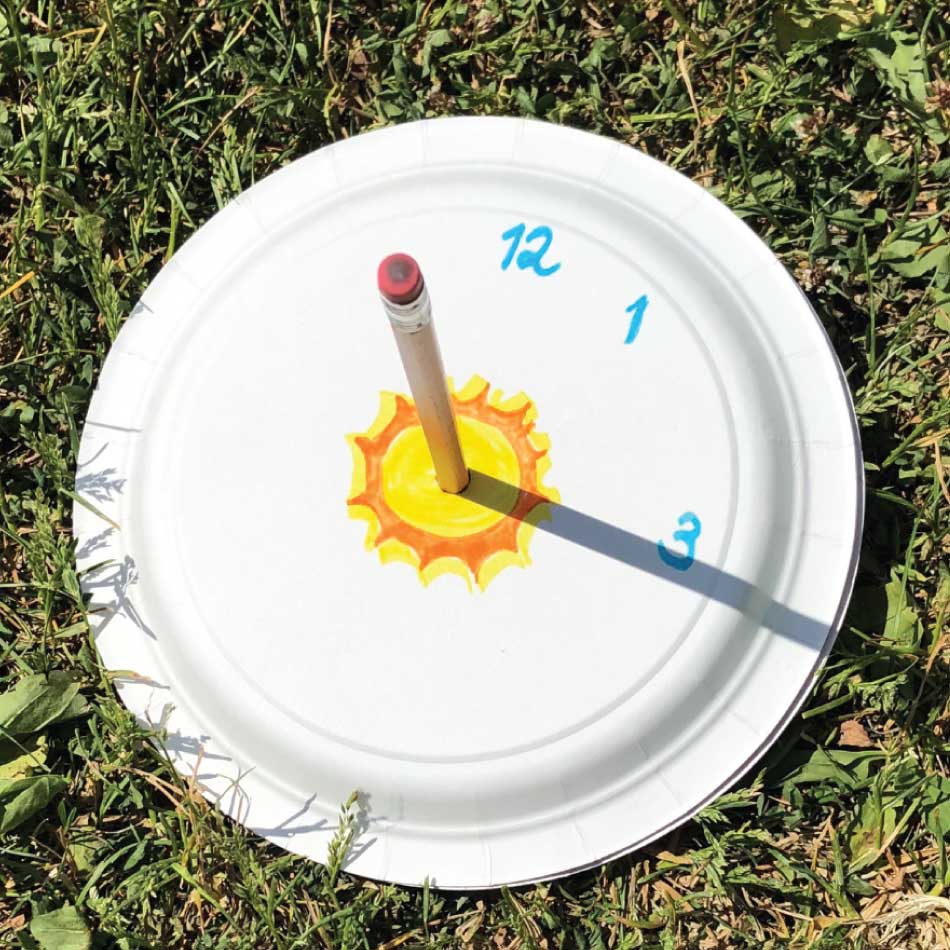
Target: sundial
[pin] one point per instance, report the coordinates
(603, 629)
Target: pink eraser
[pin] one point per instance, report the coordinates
(399, 278)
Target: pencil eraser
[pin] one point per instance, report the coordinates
(399, 278)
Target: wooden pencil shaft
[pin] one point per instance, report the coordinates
(422, 361)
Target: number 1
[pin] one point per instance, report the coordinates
(514, 235)
(636, 310)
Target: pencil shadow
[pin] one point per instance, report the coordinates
(640, 553)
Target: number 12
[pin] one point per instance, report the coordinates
(529, 258)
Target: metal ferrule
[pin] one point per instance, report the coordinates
(409, 317)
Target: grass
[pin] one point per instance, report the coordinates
(124, 124)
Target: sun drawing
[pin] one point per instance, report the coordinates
(474, 534)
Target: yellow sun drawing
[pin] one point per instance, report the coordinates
(476, 533)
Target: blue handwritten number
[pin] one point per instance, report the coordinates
(514, 235)
(529, 258)
(532, 259)
(687, 537)
(636, 310)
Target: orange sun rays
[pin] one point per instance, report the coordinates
(412, 521)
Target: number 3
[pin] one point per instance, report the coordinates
(682, 562)
(529, 258)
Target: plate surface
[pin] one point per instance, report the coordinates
(595, 686)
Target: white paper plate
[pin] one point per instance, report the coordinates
(577, 706)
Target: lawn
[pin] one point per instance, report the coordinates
(125, 124)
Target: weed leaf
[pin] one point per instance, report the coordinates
(902, 625)
(869, 831)
(36, 701)
(805, 21)
(21, 798)
(844, 769)
(920, 248)
(89, 231)
(936, 804)
(900, 62)
(21, 758)
(61, 929)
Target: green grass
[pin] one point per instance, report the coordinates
(124, 124)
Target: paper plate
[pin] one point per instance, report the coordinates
(661, 543)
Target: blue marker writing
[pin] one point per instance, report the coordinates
(636, 311)
(530, 257)
(687, 537)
